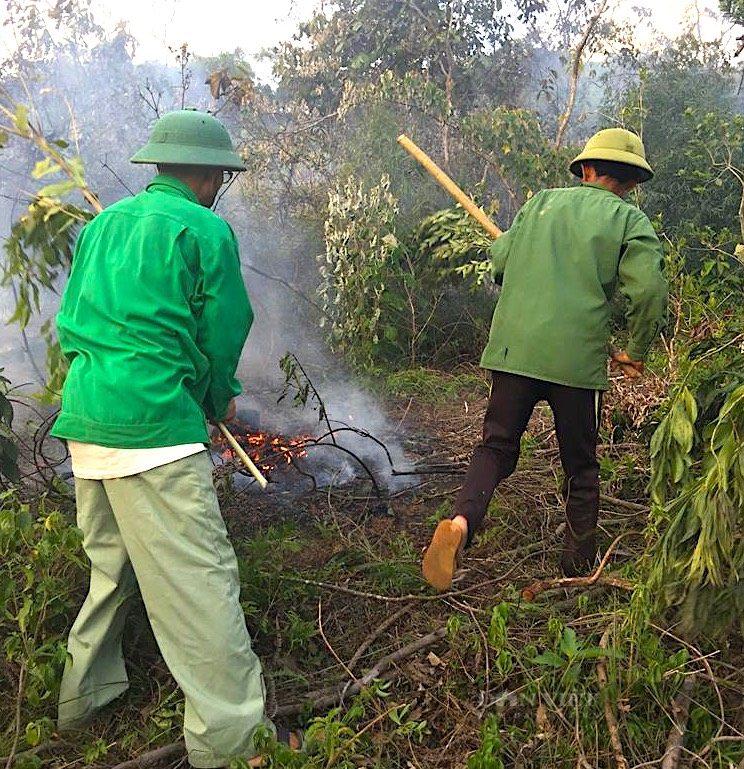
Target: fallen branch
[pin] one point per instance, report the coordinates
(402, 653)
(172, 752)
(617, 746)
(321, 699)
(624, 503)
(530, 593)
(372, 637)
(680, 712)
(327, 698)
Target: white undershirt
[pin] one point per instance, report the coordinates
(97, 463)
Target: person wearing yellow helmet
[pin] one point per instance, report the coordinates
(153, 321)
(566, 254)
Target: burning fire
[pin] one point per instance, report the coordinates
(265, 449)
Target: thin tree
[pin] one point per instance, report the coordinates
(576, 66)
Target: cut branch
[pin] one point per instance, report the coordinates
(680, 712)
(166, 754)
(381, 671)
(531, 592)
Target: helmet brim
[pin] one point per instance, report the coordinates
(645, 172)
(173, 154)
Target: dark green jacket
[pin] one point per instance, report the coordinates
(153, 320)
(559, 263)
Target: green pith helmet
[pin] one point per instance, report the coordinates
(618, 146)
(192, 138)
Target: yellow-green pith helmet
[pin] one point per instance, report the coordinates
(192, 138)
(617, 146)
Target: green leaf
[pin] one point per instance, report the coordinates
(44, 167)
(21, 118)
(569, 642)
(549, 658)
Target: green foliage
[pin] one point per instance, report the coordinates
(683, 106)
(41, 568)
(712, 168)
(453, 243)
(522, 157)
(671, 446)
(432, 386)
(354, 271)
(39, 251)
(438, 41)
(8, 449)
(388, 298)
(488, 755)
(296, 380)
(569, 653)
(733, 9)
(697, 563)
(262, 563)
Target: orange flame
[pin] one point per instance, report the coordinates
(266, 450)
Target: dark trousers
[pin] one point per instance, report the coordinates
(510, 404)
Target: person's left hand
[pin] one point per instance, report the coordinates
(621, 361)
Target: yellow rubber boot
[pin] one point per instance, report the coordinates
(440, 558)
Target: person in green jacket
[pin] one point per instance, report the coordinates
(560, 263)
(153, 320)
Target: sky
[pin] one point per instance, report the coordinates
(213, 26)
(208, 27)
(223, 25)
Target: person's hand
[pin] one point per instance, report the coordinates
(231, 411)
(621, 361)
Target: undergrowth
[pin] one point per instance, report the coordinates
(500, 682)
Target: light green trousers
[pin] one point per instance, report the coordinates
(163, 530)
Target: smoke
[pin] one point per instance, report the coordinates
(104, 104)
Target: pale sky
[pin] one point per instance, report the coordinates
(208, 26)
(212, 26)
(216, 25)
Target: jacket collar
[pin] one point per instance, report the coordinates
(172, 186)
(596, 186)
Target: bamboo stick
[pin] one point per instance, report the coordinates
(466, 202)
(244, 458)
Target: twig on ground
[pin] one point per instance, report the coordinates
(617, 746)
(328, 643)
(370, 639)
(531, 592)
(624, 503)
(402, 653)
(680, 713)
(326, 698)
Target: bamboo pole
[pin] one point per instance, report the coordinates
(244, 458)
(466, 202)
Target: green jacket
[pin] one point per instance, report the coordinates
(153, 321)
(559, 263)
